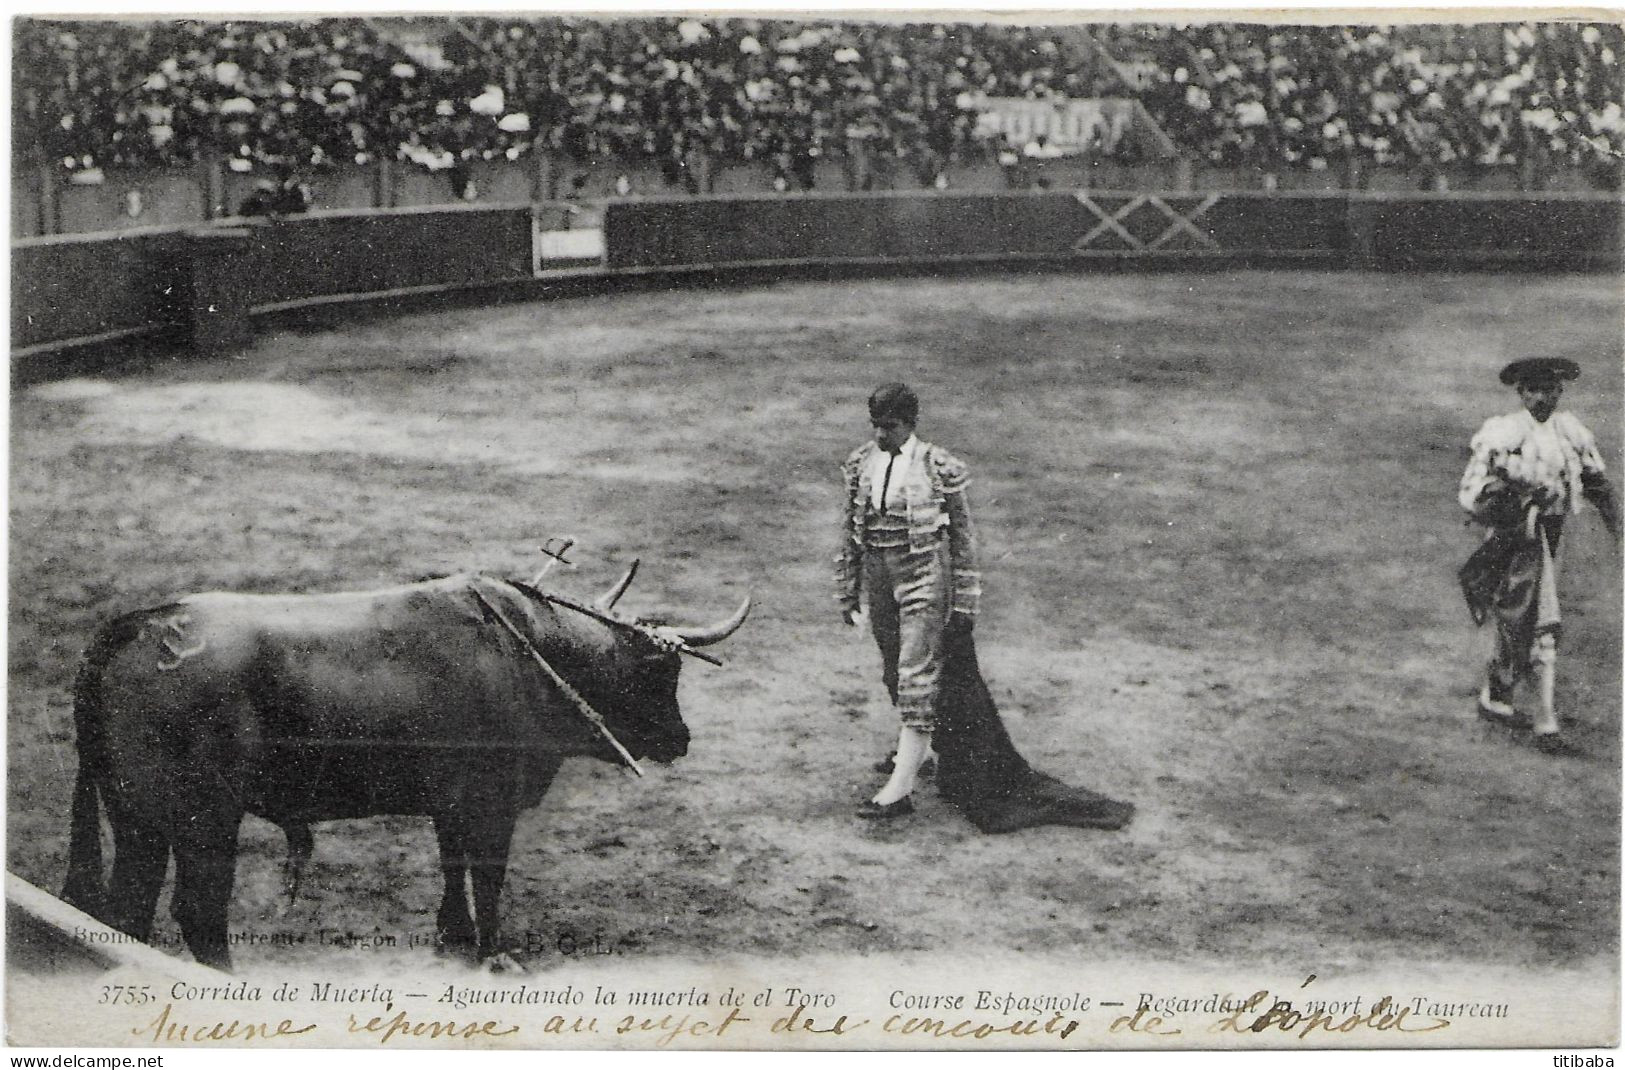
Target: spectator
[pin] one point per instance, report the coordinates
(1010, 163)
(1038, 154)
(280, 195)
(461, 177)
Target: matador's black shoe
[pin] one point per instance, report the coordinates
(1495, 706)
(873, 811)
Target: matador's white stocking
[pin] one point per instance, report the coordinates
(1545, 659)
(912, 746)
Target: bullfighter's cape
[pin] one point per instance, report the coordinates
(980, 771)
(1513, 581)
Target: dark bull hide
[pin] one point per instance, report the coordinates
(302, 708)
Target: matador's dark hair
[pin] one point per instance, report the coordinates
(894, 400)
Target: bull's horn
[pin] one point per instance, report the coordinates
(716, 633)
(607, 600)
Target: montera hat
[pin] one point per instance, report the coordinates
(1540, 369)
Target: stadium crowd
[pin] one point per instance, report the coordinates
(1408, 95)
(311, 94)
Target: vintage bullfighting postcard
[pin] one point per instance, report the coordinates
(917, 531)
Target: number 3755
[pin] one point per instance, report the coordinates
(126, 994)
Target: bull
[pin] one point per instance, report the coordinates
(457, 698)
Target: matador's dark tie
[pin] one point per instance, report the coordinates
(885, 485)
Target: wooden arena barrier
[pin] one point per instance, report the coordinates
(1564, 231)
(91, 287)
(46, 935)
(202, 285)
(325, 256)
(205, 285)
(1538, 231)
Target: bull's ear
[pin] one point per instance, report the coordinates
(607, 600)
(716, 633)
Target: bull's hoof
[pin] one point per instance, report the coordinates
(216, 958)
(1557, 745)
(457, 953)
(451, 946)
(501, 962)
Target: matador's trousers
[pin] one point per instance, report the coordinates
(909, 601)
(1526, 612)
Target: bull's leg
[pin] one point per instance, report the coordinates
(205, 870)
(453, 924)
(140, 857)
(488, 847)
(300, 845)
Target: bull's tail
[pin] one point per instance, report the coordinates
(85, 887)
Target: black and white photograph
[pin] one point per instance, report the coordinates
(823, 531)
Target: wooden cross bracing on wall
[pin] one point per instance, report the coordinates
(1178, 223)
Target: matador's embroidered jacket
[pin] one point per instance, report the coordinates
(1514, 457)
(934, 492)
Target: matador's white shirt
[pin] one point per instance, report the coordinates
(1520, 450)
(906, 457)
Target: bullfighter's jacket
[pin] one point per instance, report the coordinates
(1517, 461)
(1523, 479)
(934, 493)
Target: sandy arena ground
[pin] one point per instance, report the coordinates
(1220, 533)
